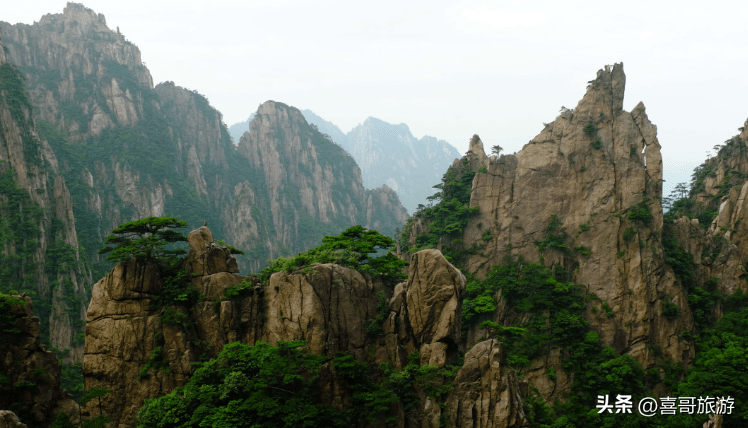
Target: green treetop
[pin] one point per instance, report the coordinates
(145, 239)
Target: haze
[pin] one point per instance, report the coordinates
(448, 70)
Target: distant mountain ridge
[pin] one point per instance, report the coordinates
(112, 148)
(238, 129)
(387, 154)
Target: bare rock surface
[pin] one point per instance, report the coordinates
(128, 345)
(30, 373)
(327, 307)
(9, 419)
(487, 394)
(595, 167)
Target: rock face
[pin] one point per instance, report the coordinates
(390, 155)
(9, 419)
(134, 348)
(29, 374)
(95, 103)
(387, 155)
(717, 234)
(39, 244)
(488, 394)
(327, 307)
(598, 169)
(433, 304)
(308, 176)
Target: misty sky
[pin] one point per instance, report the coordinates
(448, 69)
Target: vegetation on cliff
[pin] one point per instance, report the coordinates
(285, 386)
(353, 249)
(447, 218)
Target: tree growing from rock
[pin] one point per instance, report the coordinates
(355, 248)
(145, 239)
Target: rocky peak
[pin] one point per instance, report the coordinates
(77, 41)
(306, 171)
(77, 19)
(597, 170)
(206, 257)
(604, 95)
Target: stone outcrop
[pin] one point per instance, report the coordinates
(594, 168)
(487, 393)
(134, 350)
(327, 307)
(128, 328)
(9, 419)
(29, 374)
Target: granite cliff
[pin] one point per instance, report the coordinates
(583, 195)
(29, 373)
(387, 154)
(40, 245)
(308, 177)
(95, 104)
(139, 353)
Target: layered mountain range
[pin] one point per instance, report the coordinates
(387, 155)
(128, 150)
(536, 281)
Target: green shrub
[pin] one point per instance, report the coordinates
(608, 310)
(155, 361)
(374, 325)
(7, 318)
(63, 421)
(448, 217)
(585, 251)
(590, 129)
(584, 227)
(260, 385)
(555, 237)
(352, 249)
(640, 213)
(670, 310)
(629, 234)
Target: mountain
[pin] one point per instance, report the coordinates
(328, 128)
(127, 149)
(581, 198)
(313, 185)
(40, 244)
(388, 155)
(550, 276)
(238, 129)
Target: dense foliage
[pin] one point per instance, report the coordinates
(353, 249)
(252, 386)
(145, 239)
(280, 386)
(448, 217)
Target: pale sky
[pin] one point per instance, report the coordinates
(448, 69)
